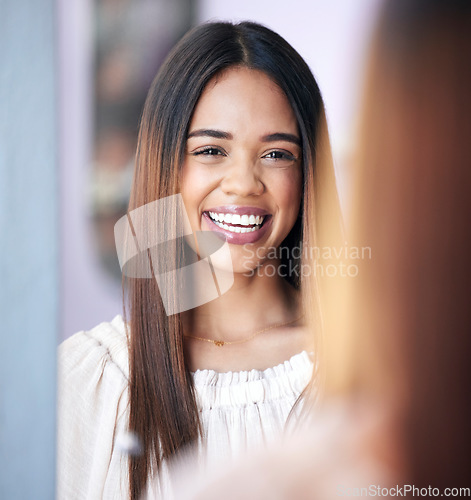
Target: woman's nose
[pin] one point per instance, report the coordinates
(242, 179)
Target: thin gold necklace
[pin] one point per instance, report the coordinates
(220, 343)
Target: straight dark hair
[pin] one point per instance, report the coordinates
(163, 409)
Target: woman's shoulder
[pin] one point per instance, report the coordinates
(103, 347)
(92, 404)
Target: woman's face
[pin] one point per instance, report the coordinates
(242, 170)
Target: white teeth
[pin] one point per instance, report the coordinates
(237, 229)
(222, 220)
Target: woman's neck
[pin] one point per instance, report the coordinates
(253, 302)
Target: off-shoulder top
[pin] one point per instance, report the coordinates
(239, 411)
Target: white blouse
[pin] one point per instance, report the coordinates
(239, 411)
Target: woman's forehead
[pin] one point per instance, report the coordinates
(242, 98)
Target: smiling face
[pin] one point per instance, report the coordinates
(242, 170)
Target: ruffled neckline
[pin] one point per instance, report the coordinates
(285, 377)
(300, 362)
(236, 391)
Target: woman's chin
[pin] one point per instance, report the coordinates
(222, 264)
(240, 269)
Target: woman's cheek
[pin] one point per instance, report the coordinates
(287, 191)
(198, 179)
(193, 183)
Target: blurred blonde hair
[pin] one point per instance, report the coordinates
(402, 335)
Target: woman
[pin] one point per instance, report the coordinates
(397, 412)
(234, 123)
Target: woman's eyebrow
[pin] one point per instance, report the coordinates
(282, 136)
(219, 134)
(204, 132)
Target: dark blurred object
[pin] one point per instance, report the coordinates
(413, 318)
(132, 39)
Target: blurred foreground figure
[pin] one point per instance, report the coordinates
(397, 408)
(413, 320)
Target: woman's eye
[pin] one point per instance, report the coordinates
(209, 151)
(279, 155)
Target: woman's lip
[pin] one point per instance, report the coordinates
(237, 209)
(238, 238)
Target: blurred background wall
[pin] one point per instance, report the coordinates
(29, 249)
(109, 51)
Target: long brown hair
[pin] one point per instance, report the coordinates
(163, 409)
